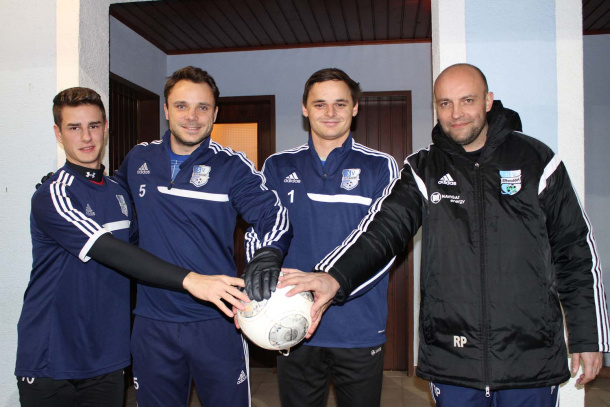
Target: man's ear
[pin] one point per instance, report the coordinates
(57, 134)
(355, 110)
(489, 101)
(165, 109)
(304, 110)
(106, 134)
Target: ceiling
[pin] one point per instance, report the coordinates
(200, 26)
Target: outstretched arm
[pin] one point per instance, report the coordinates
(385, 231)
(143, 266)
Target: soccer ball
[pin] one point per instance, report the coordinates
(279, 322)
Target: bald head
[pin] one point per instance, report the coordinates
(463, 67)
(462, 100)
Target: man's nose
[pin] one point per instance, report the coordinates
(456, 111)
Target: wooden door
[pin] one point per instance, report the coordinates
(133, 118)
(384, 123)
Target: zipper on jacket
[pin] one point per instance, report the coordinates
(324, 178)
(480, 202)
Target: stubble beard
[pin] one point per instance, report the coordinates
(471, 138)
(187, 143)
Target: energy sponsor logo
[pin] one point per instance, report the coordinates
(436, 197)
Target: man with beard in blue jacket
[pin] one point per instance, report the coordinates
(328, 185)
(187, 191)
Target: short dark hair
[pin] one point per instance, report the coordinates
(332, 74)
(76, 97)
(193, 74)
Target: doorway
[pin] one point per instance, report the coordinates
(134, 118)
(259, 110)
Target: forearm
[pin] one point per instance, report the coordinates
(137, 263)
(383, 233)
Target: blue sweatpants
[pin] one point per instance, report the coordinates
(446, 395)
(168, 356)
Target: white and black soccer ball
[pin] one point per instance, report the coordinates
(279, 322)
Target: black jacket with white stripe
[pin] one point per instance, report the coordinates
(505, 245)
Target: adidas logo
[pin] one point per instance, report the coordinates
(89, 211)
(292, 179)
(447, 180)
(143, 170)
(242, 377)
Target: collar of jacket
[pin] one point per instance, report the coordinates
(501, 122)
(334, 159)
(94, 175)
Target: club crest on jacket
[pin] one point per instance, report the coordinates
(510, 182)
(350, 178)
(201, 175)
(123, 205)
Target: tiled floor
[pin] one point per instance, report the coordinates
(398, 390)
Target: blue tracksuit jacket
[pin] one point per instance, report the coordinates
(190, 221)
(325, 203)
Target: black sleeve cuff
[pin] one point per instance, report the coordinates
(344, 286)
(137, 263)
(268, 249)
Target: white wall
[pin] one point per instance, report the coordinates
(27, 87)
(283, 73)
(137, 60)
(597, 145)
(526, 32)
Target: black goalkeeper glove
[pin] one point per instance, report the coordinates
(44, 179)
(262, 272)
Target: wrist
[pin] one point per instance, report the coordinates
(277, 253)
(187, 283)
(341, 285)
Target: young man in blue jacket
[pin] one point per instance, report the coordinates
(328, 185)
(506, 248)
(187, 191)
(73, 333)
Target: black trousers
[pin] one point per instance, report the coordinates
(304, 376)
(107, 390)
